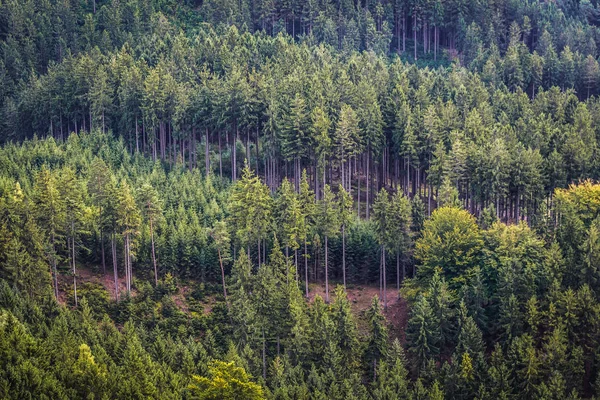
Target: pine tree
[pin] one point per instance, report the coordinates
(151, 208)
(222, 241)
(345, 215)
(346, 331)
(306, 198)
(327, 221)
(75, 213)
(383, 222)
(401, 235)
(50, 212)
(129, 220)
(377, 348)
(422, 333)
(99, 184)
(251, 210)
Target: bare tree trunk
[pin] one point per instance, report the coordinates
(384, 278)
(415, 34)
(102, 249)
(264, 355)
(326, 273)
(368, 173)
(305, 268)
(114, 257)
(220, 158)
(74, 266)
(344, 254)
(398, 270)
(223, 278)
(153, 254)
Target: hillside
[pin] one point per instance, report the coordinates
(210, 199)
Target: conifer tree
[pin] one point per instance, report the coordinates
(51, 216)
(401, 235)
(306, 198)
(377, 348)
(422, 333)
(128, 219)
(151, 208)
(345, 215)
(76, 214)
(221, 239)
(381, 217)
(327, 221)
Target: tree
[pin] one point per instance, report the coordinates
(450, 240)
(75, 216)
(377, 348)
(346, 140)
(152, 212)
(50, 213)
(327, 221)
(400, 235)
(306, 197)
(422, 333)
(381, 218)
(345, 215)
(251, 210)
(221, 239)
(346, 331)
(289, 217)
(128, 219)
(590, 74)
(99, 185)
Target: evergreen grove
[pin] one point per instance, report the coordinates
(189, 191)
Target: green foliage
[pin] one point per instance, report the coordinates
(225, 381)
(451, 241)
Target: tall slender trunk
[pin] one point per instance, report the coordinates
(344, 254)
(153, 254)
(223, 278)
(415, 33)
(74, 266)
(264, 355)
(220, 158)
(102, 250)
(384, 278)
(305, 268)
(403, 32)
(137, 136)
(115, 272)
(368, 173)
(326, 273)
(54, 269)
(207, 154)
(397, 270)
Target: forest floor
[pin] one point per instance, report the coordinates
(360, 297)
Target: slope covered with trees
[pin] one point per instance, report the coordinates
(216, 163)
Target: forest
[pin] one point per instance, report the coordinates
(285, 199)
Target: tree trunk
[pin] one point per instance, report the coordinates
(384, 278)
(264, 355)
(74, 267)
(368, 173)
(398, 270)
(326, 273)
(223, 278)
(415, 34)
(344, 254)
(220, 158)
(305, 268)
(114, 257)
(153, 254)
(102, 250)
